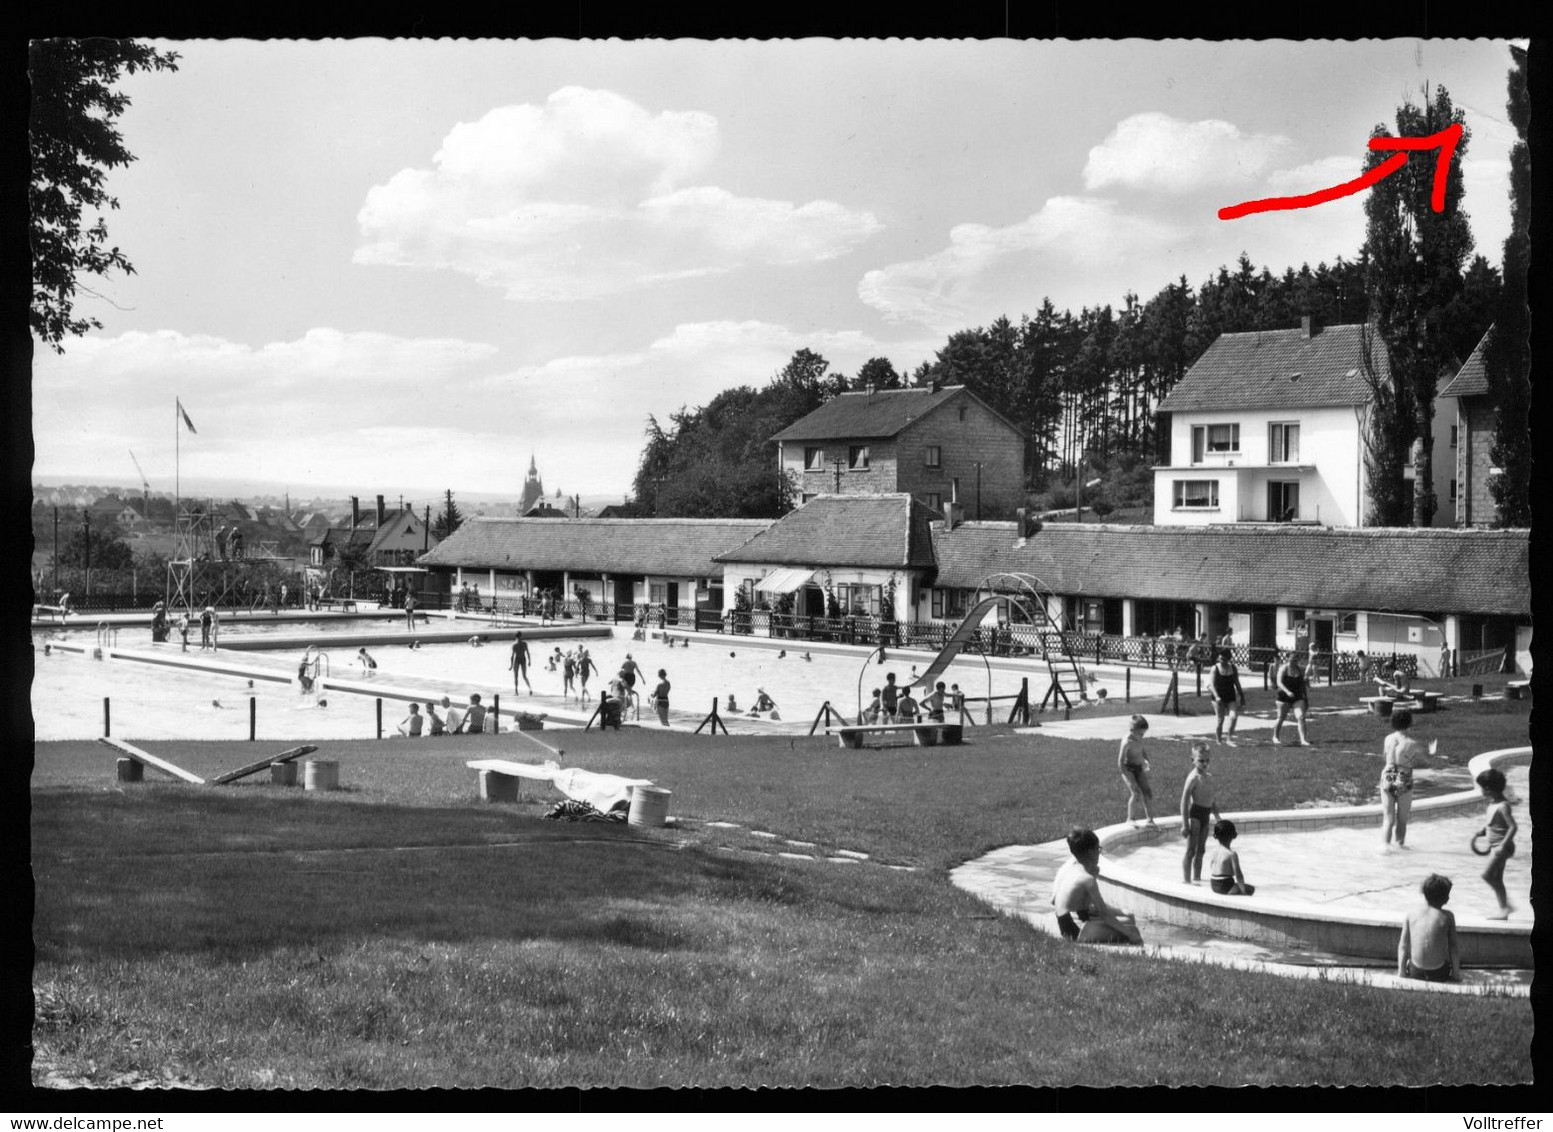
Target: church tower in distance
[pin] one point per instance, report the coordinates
(533, 488)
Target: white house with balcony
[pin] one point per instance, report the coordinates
(1268, 427)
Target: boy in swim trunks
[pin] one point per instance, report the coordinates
(1076, 893)
(1501, 829)
(1427, 949)
(1224, 875)
(1133, 763)
(1197, 811)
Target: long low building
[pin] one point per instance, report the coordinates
(1380, 590)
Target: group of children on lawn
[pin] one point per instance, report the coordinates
(1427, 949)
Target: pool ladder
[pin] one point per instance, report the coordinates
(107, 640)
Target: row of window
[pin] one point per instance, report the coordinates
(1283, 497)
(1283, 441)
(857, 458)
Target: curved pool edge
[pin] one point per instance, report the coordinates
(1284, 923)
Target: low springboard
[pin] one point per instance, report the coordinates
(151, 760)
(264, 764)
(922, 734)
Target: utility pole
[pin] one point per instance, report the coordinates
(56, 550)
(838, 463)
(86, 543)
(978, 491)
(426, 531)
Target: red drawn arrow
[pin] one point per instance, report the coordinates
(1445, 141)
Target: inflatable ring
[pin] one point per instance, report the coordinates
(1480, 838)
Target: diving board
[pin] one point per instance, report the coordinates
(151, 760)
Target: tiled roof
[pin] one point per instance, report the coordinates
(868, 415)
(887, 531)
(1255, 370)
(1372, 569)
(674, 547)
(1472, 379)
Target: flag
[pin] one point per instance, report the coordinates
(186, 419)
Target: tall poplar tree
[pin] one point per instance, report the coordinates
(1415, 259)
(1508, 360)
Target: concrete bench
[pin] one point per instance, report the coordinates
(1517, 689)
(928, 734)
(1428, 701)
(1380, 705)
(501, 780)
(346, 604)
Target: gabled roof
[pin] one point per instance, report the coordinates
(671, 547)
(1471, 379)
(873, 416)
(1255, 370)
(887, 531)
(1373, 568)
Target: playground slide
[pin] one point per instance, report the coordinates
(956, 643)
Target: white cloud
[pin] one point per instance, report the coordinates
(399, 413)
(985, 271)
(588, 195)
(1158, 153)
(1314, 175)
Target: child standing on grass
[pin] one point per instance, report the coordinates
(1427, 949)
(1501, 830)
(1133, 762)
(1197, 810)
(1224, 874)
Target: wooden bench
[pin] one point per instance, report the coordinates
(928, 734)
(1517, 689)
(346, 604)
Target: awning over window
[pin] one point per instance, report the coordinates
(783, 581)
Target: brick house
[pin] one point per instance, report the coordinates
(934, 443)
(1464, 402)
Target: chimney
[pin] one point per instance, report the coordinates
(1308, 327)
(355, 513)
(936, 386)
(380, 512)
(954, 512)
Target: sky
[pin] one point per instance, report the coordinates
(405, 266)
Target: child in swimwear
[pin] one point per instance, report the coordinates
(1501, 830)
(1427, 949)
(364, 658)
(1133, 763)
(1224, 874)
(568, 675)
(1076, 893)
(1402, 754)
(1197, 810)
(435, 720)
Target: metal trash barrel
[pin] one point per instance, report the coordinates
(649, 806)
(321, 774)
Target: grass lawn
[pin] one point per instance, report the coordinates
(399, 934)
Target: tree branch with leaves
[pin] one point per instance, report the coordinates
(74, 142)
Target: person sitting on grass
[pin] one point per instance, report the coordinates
(1224, 874)
(1500, 830)
(1076, 894)
(1198, 809)
(455, 717)
(435, 720)
(411, 724)
(474, 719)
(1427, 949)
